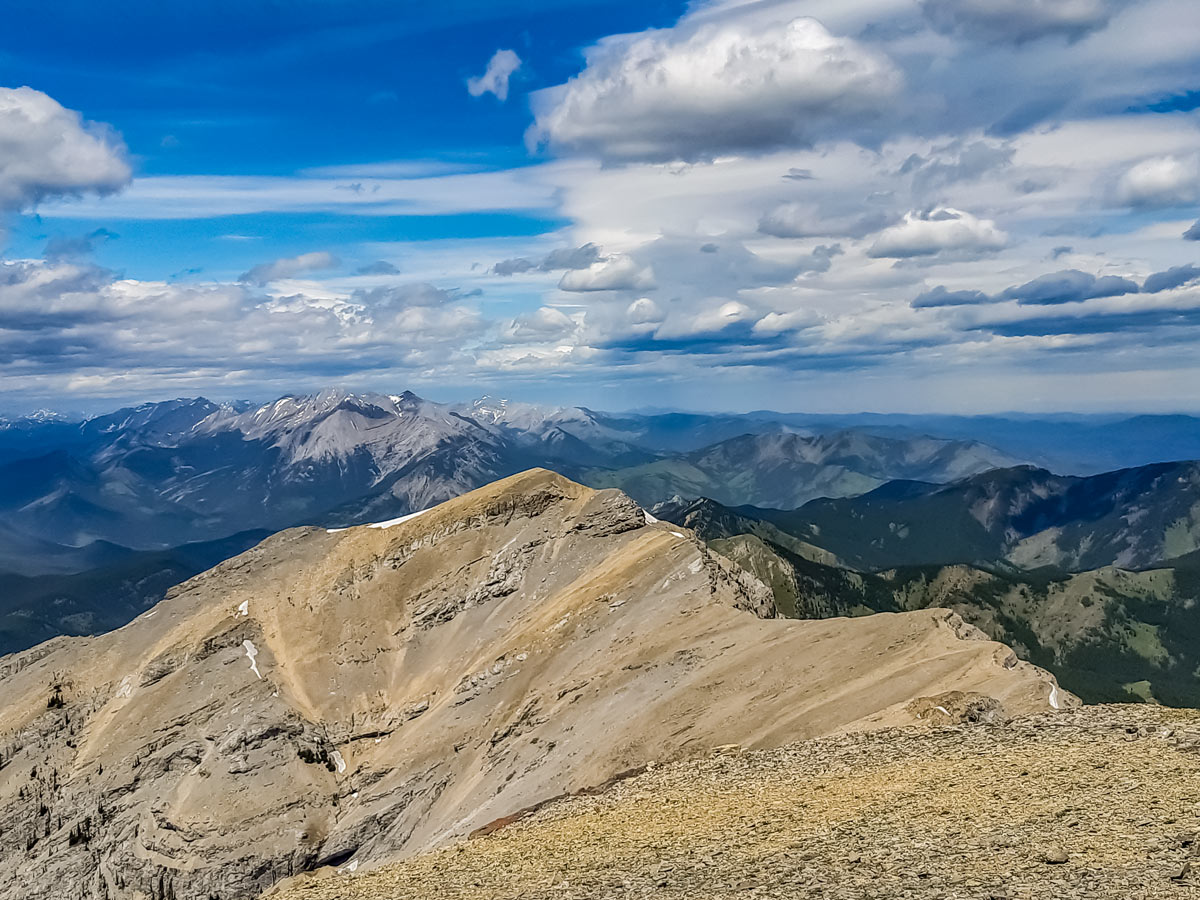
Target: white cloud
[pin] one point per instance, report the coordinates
(495, 80)
(1163, 181)
(1017, 21)
(620, 273)
(71, 327)
(644, 311)
(772, 251)
(774, 323)
(801, 220)
(708, 320)
(545, 323)
(411, 194)
(936, 231)
(721, 87)
(47, 151)
(289, 267)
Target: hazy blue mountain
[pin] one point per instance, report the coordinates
(1067, 444)
(783, 469)
(1109, 634)
(1024, 516)
(106, 596)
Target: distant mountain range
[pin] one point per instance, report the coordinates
(782, 469)
(164, 474)
(1096, 579)
(1026, 517)
(99, 516)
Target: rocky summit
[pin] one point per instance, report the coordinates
(1095, 802)
(347, 698)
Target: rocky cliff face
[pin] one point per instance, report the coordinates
(354, 696)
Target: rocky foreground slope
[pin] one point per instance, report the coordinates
(350, 697)
(1096, 802)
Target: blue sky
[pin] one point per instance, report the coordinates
(827, 205)
(266, 89)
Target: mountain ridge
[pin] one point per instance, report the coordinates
(335, 695)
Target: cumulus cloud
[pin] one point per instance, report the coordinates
(1176, 276)
(555, 260)
(958, 161)
(724, 245)
(289, 267)
(495, 79)
(517, 266)
(544, 323)
(1193, 233)
(571, 258)
(722, 317)
(1069, 286)
(620, 273)
(405, 296)
(1066, 286)
(936, 231)
(379, 267)
(77, 327)
(730, 86)
(48, 151)
(1163, 181)
(644, 311)
(940, 296)
(775, 323)
(801, 220)
(1018, 21)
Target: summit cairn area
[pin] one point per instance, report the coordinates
(1094, 802)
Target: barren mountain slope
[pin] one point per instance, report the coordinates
(356, 696)
(1098, 802)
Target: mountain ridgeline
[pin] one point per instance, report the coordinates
(1090, 575)
(104, 503)
(189, 470)
(1097, 578)
(347, 697)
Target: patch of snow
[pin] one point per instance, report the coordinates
(351, 866)
(150, 615)
(251, 653)
(340, 762)
(942, 709)
(244, 608)
(678, 534)
(1054, 703)
(617, 604)
(521, 657)
(650, 520)
(125, 689)
(696, 565)
(390, 522)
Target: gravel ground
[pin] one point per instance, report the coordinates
(1098, 802)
